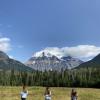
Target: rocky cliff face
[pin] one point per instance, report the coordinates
(51, 62)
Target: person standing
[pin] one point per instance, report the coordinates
(73, 94)
(24, 93)
(47, 94)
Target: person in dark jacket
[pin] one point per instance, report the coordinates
(73, 94)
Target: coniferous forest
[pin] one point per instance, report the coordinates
(87, 77)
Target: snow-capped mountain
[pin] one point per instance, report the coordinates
(46, 61)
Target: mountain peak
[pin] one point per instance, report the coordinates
(46, 61)
(42, 54)
(97, 58)
(3, 56)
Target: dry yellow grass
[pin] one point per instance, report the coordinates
(36, 93)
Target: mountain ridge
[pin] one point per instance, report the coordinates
(7, 63)
(52, 62)
(94, 63)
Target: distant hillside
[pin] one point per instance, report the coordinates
(94, 63)
(8, 64)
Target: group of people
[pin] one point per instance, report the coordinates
(47, 94)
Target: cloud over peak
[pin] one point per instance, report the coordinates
(5, 44)
(83, 52)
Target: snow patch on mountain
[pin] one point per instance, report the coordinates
(47, 61)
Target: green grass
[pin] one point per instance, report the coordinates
(37, 93)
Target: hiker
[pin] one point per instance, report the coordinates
(47, 94)
(24, 93)
(74, 95)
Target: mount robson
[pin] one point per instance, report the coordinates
(46, 61)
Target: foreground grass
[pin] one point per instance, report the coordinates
(36, 93)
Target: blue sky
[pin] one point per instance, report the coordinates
(33, 25)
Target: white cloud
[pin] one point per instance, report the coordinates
(5, 44)
(84, 52)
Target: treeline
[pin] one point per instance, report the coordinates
(88, 77)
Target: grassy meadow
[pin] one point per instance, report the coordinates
(37, 93)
